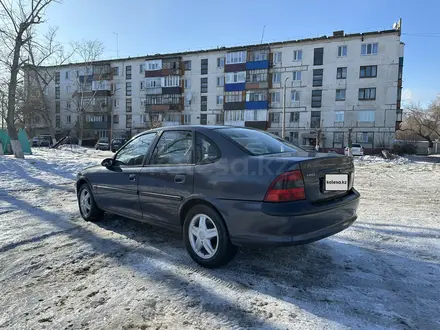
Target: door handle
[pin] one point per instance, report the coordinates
(180, 178)
(132, 177)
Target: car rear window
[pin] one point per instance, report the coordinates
(258, 142)
(356, 145)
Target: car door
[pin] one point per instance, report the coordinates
(118, 186)
(168, 178)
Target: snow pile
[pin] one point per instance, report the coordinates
(367, 160)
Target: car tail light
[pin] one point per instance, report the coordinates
(287, 187)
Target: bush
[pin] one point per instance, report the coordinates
(404, 149)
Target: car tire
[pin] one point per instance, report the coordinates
(92, 212)
(222, 250)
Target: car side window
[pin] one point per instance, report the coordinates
(133, 153)
(206, 150)
(173, 148)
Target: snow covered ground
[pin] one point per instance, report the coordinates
(59, 272)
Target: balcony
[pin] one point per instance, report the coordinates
(256, 105)
(234, 105)
(263, 125)
(257, 65)
(235, 87)
(170, 67)
(315, 122)
(153, 90)
(102, 72)
(257, 85)
(235, 67)
(172, 90)
(164, 107)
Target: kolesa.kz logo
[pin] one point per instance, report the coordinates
(336, 182)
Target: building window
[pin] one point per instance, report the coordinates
(274, 117)
(57, 121)
(256, 95)
(234, 115)
(220, 81)
(316, 98)
(220, 62)
(296, 75)
(153, 65)
(141, 68)
(340, 95)
(258, 55)
(275, 98)
(115, 119)
(187, 65)
(338, 139)
(57, 78)
(315, 120)
(204, 66)
(203, 85)
(128, 72)
(67, 75)
(276, 77)
(293, 137)
(187, 83)
(128, 88)
(366, 116)
(128, 121)
(236, 77)
(231, 97)
(339, 116)
(116, 103)
(342, 51)
(295, 95)
(203, 119)
(318, 56)
(294, 117)
(369, 49)
(367, 93)
(187, 119)
(277, 57)
(170, 81)
(236, 57)
(68, 105)
(203, 103)
(142, 86)
(256, 76)
(153, 82)
(297, 55)
(128, 105)
(369, 71)
(115, 71)
(57, 92)
(57, 107)
(219, 118)
(68, 119)
(219, 99)
(317, 77)
(341, 73)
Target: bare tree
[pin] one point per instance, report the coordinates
(424, 123)
(16, 19)
(38, 76)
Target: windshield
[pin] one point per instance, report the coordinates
(258, 142)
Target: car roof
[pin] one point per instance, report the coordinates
(197, 127)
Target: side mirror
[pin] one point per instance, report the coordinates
(108, 162)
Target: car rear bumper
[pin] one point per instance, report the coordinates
(296, 223)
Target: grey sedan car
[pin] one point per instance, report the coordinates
(223, 187)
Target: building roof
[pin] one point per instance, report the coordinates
(336, 35)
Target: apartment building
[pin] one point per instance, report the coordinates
(326, 85)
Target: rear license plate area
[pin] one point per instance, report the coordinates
(336, 182)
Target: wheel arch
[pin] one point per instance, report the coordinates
(188, 204)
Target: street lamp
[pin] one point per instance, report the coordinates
(283, 127)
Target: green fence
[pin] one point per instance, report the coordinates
(22, 137)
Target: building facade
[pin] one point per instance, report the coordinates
(326, 85)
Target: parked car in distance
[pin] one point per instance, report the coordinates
(35, 141)
(356, 149)
(223, 187)
(116, 144)
(102, 144)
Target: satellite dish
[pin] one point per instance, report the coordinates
(188, 96)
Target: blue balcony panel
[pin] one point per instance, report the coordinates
(257, 65)
(257, 105)
(235, 87)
